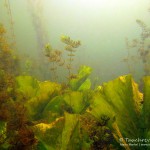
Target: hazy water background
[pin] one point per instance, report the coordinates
(101, 25)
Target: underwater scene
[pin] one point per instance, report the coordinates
(74, 75)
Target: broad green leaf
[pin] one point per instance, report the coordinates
(76, 101)
(27, 85)
(82, 76)
(146, 106)
(85, 86)
(36, 105)
(54, 109)
(48, 88)
(71, 122)
(118, 100)
(100, 107)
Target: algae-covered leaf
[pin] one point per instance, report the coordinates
(27, 85)
(82, 76)
(146, 105)
(50, 134)
(138, 97)
(54, 109)
(85, 86)
(48, 88)
(100, 107)
(71, 122)
(118, 100)
(120, 95)
(54, 104)
(36, 105)
(76, 101)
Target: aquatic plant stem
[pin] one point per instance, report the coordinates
(128, 63)
(70, 64)
(54, 72)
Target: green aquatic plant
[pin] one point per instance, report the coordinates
(70, 47)
(120, 99)
(47, 115)
(54, 56)
(104, 116)
(80, 81)
(129, 59)
(78, 101)
(142, 46)
(35, 94)
(145, 125)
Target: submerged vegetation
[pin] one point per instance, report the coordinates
(48, 115)
(71, 49)
(142, 47)
(55, 56)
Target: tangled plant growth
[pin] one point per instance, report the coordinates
(9, 61)
(142, 47)
(15, 132)
(48, 116)
(71, 48)
(55, 56)
(51, 116)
